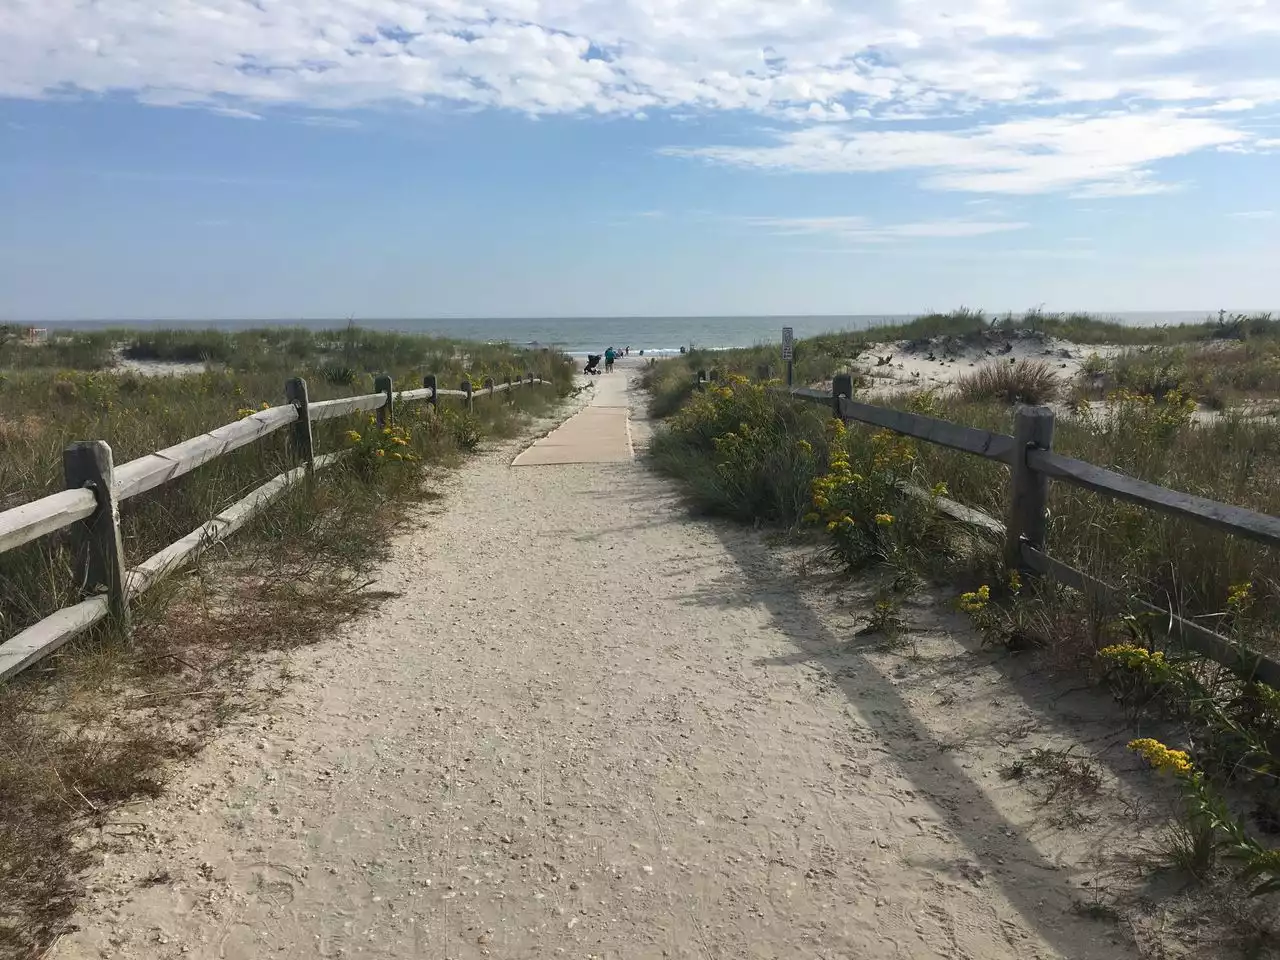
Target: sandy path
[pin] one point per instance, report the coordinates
(586, 729)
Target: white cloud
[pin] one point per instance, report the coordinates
(1094, 156)
(1254, 215)
(808, 58)
(864, 230)
(1193, 70)
(328, 122)
(236, 113)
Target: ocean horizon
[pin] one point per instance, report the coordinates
(579, 335)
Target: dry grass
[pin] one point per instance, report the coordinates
(1068, 784)
(1026, 381)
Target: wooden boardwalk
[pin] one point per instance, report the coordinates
(599, 433)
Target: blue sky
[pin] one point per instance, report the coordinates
(326, 158)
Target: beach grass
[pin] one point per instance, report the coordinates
(99, 722)
(869, 497)
(1143, 422)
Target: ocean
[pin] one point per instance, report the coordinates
(581, 335)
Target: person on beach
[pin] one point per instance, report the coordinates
(609, 356)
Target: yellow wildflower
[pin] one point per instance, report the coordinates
(940, 489)
(1239, 595)
(1131, 655)
(976, 600)
(397, 456)
(352, 436)
(1015, 581)
(884, 519)
(804, 446)
(1162, 758)
(379, 453)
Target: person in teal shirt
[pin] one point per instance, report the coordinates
(609, 356)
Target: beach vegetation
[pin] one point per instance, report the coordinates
(99, 722)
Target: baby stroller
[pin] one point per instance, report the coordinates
(593, 363)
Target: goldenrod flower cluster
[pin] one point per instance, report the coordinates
(1239, 596)
(389, 443)
(975, 601)
(1160, 757)
(891, 451)
(1131, 655)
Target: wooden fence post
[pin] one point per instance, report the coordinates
(466, 388)
(295, 392)
(764, 373)
(841, 387)
(510, 394)
(702, 380)
(488, 385)
(531, 378)
(429, 381)
(99, 552)
(715, 375)
(386, 416)
(1029, 490)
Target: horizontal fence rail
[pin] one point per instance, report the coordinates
(89, 508)
(46, 515)
(1033, 463)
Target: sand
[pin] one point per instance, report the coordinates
(916, 367)
(587, 725)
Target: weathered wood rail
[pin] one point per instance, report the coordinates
(1032, 465)
(89, 507)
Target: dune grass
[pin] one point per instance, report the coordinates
(1174, 563)
(97, 723)
(1026, 381)
(868, 497)
(973, 326)
(1218, 375)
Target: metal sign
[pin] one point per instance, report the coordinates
(788, 343)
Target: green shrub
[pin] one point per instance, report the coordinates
(182, 346)
(864, 504)
(462, 427)
(339, 375)
(745, 451)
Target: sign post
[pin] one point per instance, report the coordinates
(788, 353)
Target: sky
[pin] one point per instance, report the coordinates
(401, 158)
